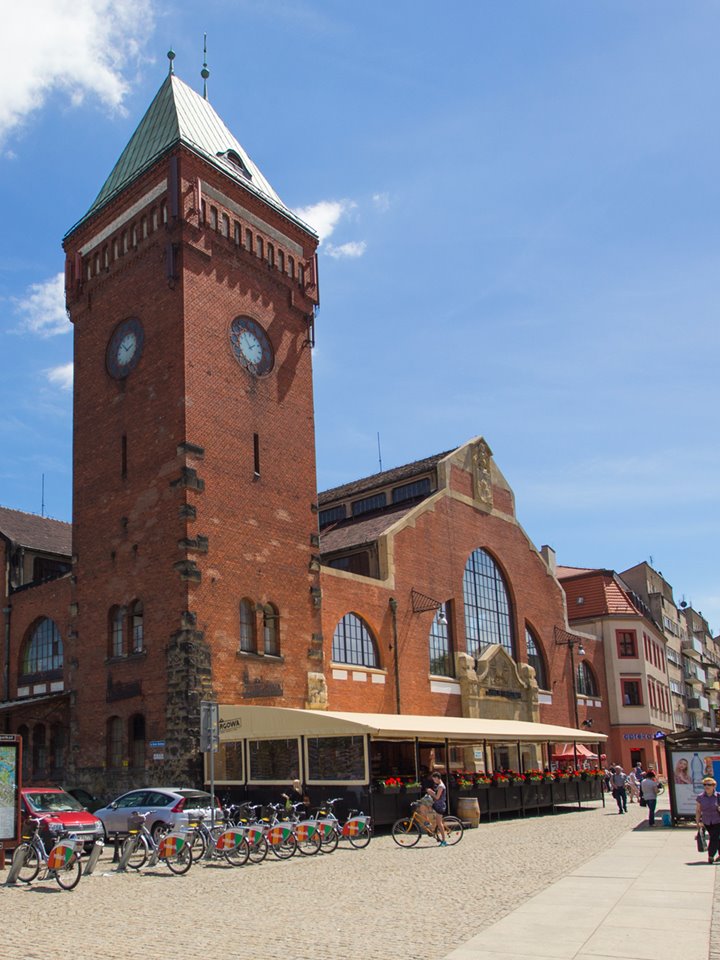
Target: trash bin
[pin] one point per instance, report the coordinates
(667, 818)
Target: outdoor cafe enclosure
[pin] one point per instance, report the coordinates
(377, 761)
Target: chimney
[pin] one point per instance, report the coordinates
(548, 555)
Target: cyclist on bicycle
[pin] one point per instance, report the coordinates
(438, 793)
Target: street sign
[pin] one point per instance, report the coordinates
(209, 726)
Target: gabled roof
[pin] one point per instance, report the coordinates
(601, 593)
(37, 533)
(356, 487)
(180, 115)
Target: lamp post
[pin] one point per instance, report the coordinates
(564, 639)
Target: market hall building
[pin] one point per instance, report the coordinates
(203, 564)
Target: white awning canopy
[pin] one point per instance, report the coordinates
(240, 723)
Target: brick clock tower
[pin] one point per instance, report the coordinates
(192, 290)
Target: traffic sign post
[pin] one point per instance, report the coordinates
(209, 743)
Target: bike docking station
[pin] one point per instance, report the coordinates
(92, 860)
(18, 862)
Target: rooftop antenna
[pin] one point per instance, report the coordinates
(42, 497)
(379, 452)
(171, 57)
(205, 73)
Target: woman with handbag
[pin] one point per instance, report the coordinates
(707, 815)
(648, 793)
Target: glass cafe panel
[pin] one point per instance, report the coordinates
(228, 763)
(274, 761)
(336, 759)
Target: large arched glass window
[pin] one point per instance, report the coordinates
(535, 659)
(354, 643)
(44, 649)
(586, 682)
(271, 631)
(248, 643)
(487, 605)
(441, 660)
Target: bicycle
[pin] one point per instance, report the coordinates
(62, 862)
(357, 829)
(141, 848)
(266, 832)
(307, 833)
(220, 842)
(407, 831)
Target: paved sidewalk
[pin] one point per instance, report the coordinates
(650, 896)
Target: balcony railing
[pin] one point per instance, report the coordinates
(692, 648)
(698, 705)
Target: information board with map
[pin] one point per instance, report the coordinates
(9, 786)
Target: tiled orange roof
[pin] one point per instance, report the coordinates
(595, 593)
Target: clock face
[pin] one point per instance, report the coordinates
(125, 348)
(251, 346)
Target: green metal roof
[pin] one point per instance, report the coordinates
(180, 115)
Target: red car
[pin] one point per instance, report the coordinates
(59, 811)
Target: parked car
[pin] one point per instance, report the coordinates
(86, 799)
(59, 811)
(168, 807)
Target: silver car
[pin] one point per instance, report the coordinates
(167, 806)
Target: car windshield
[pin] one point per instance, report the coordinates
(55, 801)
(196, 796)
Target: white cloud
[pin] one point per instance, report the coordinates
(43, 309)
(354, 248)
(80, 47)
(61, 376)
(324, 216)
(382, 201)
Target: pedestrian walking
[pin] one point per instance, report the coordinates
(618, 781)
(649, 789)
(707, 815)
(634, 785)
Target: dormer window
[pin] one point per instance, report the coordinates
(233, 157)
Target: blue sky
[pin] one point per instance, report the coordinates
(519, 206)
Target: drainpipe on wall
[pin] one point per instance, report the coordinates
(392, 603)
(6, 665)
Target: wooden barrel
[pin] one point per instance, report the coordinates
(468, 809)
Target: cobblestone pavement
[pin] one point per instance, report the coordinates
(378, 903)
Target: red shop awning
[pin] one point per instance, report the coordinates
(565, 752)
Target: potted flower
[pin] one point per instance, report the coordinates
(534, 776)
(482, 780)
(515, 777)
(391, 784)
(500, 780)
(465, 784)
(412, 787)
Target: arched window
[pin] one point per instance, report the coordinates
(271, 633)
(353, 642)
(586, 682)
(487, 605)
(260, 247)
(116, 647)
(138, 630)
(57, 750)
(441, 660)
(248, 640)
(114, 743)
(291, 267)
(39, 751)
(535, 658)
(136, 738)
(271, 254)
(43, 650)
(281, 261)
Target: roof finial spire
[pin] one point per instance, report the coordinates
(205, 73)
(171, 57)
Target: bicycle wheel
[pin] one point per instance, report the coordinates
(138, 849)
(453, 830)
(405, 832)
(239, 855)
(258, 849)
(181, 861)
(198, 844)
(68, 877)
(309, 845)
(286, 848)
(329, 843)
(31, 866)
(362, 838)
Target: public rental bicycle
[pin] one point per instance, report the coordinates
(140, 847)
(357, 829)
(407, 831)
(62, 863)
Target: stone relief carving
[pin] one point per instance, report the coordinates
(482, 481)
(494, 686)
(317, 692)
